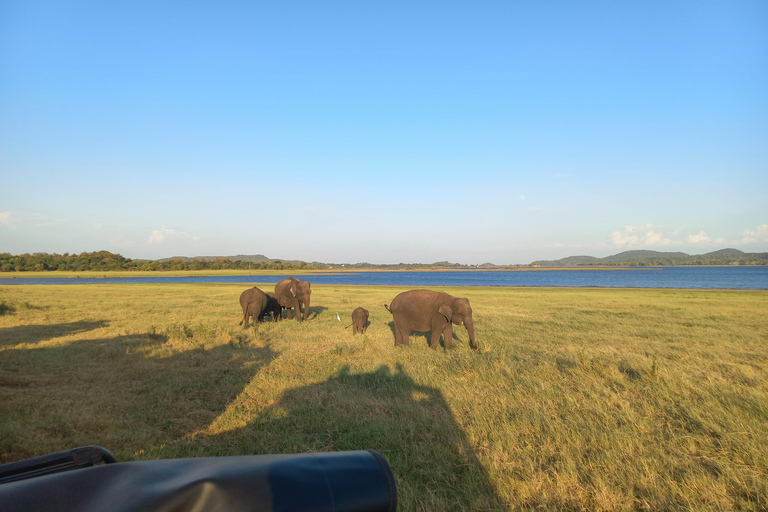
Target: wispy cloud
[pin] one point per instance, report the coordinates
(26, 220)
(643, 236)
(624, 237)
(157, 236)
(700, 238)
(163, 235)
(653, 238)
(758, 234)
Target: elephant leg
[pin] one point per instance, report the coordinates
(261, 311)
(244, 321)
(253, 314)
(435, 341)
(405, 336)
(440, 326)
(400, 339)
(448, 335)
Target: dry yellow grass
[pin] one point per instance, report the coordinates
(578, 399)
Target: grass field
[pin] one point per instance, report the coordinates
(579, 399)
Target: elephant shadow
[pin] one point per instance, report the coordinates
(316, 310)
(125, 393)
(33, 334)
(434, 464)
(427, 335)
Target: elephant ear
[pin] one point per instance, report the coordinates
(293, 288)
(446, 311)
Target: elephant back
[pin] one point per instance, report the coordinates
(252, 295)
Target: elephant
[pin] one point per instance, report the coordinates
(359, 320)
(427, 310)
(254, 303)
(293, 294)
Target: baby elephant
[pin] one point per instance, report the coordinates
(359, 320)
(274, 307)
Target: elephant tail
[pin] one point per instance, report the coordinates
(350, 325)
(390, 311)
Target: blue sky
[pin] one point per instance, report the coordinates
(350, 131)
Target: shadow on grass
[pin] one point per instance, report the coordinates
(125, 393)
(314, 312)
(434, 464)
(32, 334)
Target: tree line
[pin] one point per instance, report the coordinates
(107, 261)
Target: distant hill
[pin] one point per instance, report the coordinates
(727, 252)
(571, 261)
(656, 258)
(250, 258)
(634, 255)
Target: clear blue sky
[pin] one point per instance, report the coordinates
(415, 131)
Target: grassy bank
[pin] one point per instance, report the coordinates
(578, 399)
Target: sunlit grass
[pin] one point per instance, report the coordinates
(577, 399)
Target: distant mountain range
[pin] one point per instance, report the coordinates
(626, 258)
(656, 258)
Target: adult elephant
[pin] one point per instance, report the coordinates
(254, 303)
(427, 310)
(293, 294)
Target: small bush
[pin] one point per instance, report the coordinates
(6, 309)
(179, 332)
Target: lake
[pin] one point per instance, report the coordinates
(736, 278)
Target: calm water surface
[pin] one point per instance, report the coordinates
(739, 278)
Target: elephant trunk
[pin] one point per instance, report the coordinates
(470, 325)
(306, 308)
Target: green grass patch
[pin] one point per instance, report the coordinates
(577, 399)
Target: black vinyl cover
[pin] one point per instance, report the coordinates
(313, 482)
